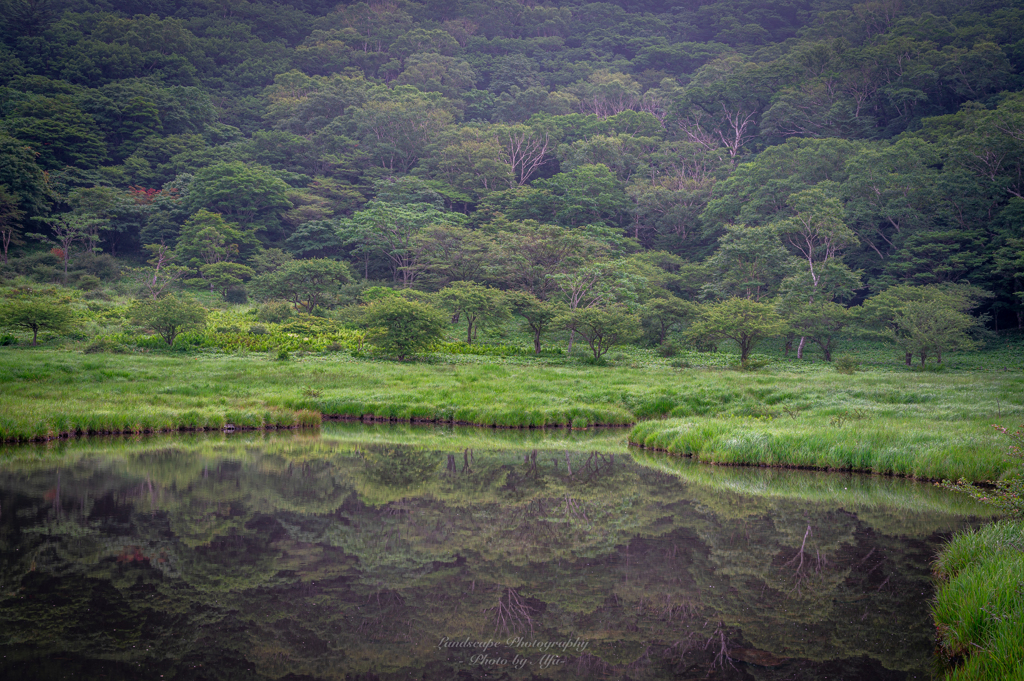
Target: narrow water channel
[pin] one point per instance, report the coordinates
(400, 553)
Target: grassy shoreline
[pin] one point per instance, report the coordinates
(919, 424)
(979, 605)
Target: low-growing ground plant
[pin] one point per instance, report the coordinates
(846, 364)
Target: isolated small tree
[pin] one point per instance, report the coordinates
(168, 316)
(480, 305)
(402, 327)
(821, 322)
(36, 310)
(307, 283)
(603, 327)
(743, 321)
(226, 275)
(538, 315)
(161, 273)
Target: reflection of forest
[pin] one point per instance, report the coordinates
(263, 559)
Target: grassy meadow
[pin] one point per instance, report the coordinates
(885, 419)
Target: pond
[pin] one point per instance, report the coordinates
(361, 552)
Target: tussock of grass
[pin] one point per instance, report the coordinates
(927, 450)
(35, 423)
(979, 608)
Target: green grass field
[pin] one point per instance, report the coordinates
(806, 414)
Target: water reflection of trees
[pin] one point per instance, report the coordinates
(334, 560)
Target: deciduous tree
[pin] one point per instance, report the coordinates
(167, 316)
(402, 327)
(37, 310)
(745, 322)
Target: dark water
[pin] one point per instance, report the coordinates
(351, 557)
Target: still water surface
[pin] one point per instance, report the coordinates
(399, 553)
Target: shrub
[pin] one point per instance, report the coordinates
(274, 312)
(88, 282)
(104, 344)
(846, 364)
(236, 295)
(168, 316)
(402, 327)
(668, 349)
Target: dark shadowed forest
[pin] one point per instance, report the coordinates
(630, 157)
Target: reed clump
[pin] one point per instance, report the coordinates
(979, 607)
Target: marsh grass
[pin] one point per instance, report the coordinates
(979, 607)
(924, 425)
(885, 445)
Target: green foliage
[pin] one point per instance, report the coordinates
(309, 283)
(36, 310)
(481, 306)
(168, 316)
(274, 312)
(602, 327)
(846, 364)
(226, 276)
(1008, 494)
(206, 239)
(978, 608)
(249, 194)
(403, 327)
(743, 321)
(400, 466)
(538, 316)
(923, 320)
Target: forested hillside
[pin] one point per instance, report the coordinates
(643, 154)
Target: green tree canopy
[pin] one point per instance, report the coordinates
(167, 316)
(603, 327)
(745, 322)
(402, 327)
(35, 310)
(307, 283)
(923, 320)
(480, 305)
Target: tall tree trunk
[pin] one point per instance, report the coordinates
(800, 348)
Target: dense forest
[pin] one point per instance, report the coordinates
(641, 155)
